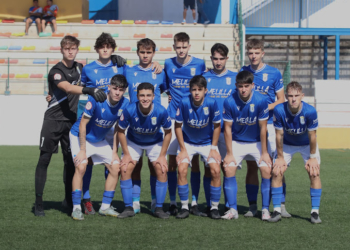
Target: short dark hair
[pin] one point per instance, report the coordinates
(244, 77)
(181, 37)
(199, 81)
(69, 40)
(255, 44)
(146, 43)
(220, 48)
(294, 85)
(105, 39)
(119, 81)
(145, 85)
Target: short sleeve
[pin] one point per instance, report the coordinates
(277, 119)
(124, 120)
(226, 113)
(179, 115)
(263, 111)
(166, 120)
(216, 113)
(278, 82)
(56, 76)
(312, 120)
(90, 107)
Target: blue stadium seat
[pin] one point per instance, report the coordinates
(168, 22)
(101, 22)
(152, 22)
(15, 47)
(39, 61)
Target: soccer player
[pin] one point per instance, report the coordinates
(35, 13)
(49, 15)
(87, 139)
(59, 117)
(268, 81)
(200, 119)
(135, 75)
(245, 119)
(192, 5)
(179, 70)
(296, 124)
(221, 84)
(144, 120)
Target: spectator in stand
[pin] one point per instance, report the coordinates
(35, 13)
(201, 13)
(50, 12)
(192, 5)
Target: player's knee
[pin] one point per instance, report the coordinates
(215, 173)
(80, 170)
(182, 171)
(114, 170)
(44, 158)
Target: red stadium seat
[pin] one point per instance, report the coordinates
(165, 49)
(88, 22)
(72, 34)
(55, 47)
(140, 21)
(7, 76)
(54, 61)
(36, 76)
(124, 49)
(2, 60)
(12, 61)
(166, 35)
(139, 35)
(57, 34)
(114, 22)
(8, 21)
(6, 34)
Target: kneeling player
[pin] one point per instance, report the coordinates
(144, 119)
(245, 119)
(201, 120)
(296, 122)
(87, 139)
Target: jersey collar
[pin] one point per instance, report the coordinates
(259, 70)
(103, 65)
(144, 69)
(150, 113)
(249, 98)
(298, 113)
(110, 105)
(184, 65)
(222, 74)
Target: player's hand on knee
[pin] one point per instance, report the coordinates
(118, 60)
(312, 167)
(182, 156)
(157, 68)
(79, 158)
(115, 159)
(215, 155)
(48, 98)
(125, 162)
(279, 167)
(163, 164)
(229, 161)
(265, 157)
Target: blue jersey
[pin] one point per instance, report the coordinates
(295, 126)
(178, 79)
(220, 87)
(102, 117)
(245, 116)
(98, 75)
(143, 129)
(136, 75)
(198, 121)
(268, 81)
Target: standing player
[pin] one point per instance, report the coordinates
(179, 70)
(201, 120)
(135, 75)
(296, 124)
(221, 84)
(245, 119)
(87, 139)
(144, 120)
(59, 118)
(268, 81)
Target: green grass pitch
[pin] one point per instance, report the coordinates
(20, 229)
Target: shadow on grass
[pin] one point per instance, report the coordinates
(56, 205)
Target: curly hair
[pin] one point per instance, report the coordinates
(105, 39)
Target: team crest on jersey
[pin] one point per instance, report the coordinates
(193, 71)
(154, 76)
(265, 77)
(88, 106)
(174, 70)
(95, 71)
(228, 80)
(178, 112)
(209, 79)
(190, 111)
(103, 110)
(223, 111)
(252, 107)
(57, 77)
(302, 120)
(115, 69)
(136, 119)
(122, 117)
(206, 110)
(238, 108)
(120, 112)
(135, 74)
(154, 120)
(286, 119)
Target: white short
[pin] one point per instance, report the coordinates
(271, 140)
(110, 136)
(100, 152)
(203, 151)
(246, 151)
(289, 151)
(174, 144)
(136, 151)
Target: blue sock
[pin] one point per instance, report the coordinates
(108, 197)
(195, 185)
(215, 195)
(76, 197)
(183, 192)
(161, 188)
(172, 184)
(206, 185)
(315, 198)
(277, 194)
(126, 188)
(136, 190)
(225, 197)
(152, 182)
(86, 182)
(106, 173)
(252, 192)
(265, 193)
(230, 189)
(283, 200)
